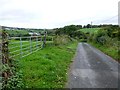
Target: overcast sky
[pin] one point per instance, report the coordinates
(57, 13)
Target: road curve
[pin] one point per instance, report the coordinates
(92, 69)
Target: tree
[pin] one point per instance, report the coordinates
(88, 26)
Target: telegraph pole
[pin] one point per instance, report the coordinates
(44, 41)
(91, 24)
(119, 13)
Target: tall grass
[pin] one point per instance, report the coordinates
(107, 41)
(48, 67)
(62, 39)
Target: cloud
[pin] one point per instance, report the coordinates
(16, 15)
(55, 13)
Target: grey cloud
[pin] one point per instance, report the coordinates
(16, 15)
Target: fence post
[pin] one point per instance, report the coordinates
(52, 39)
(30, 45)
(21, 53)
(44, 41)
(41, 42)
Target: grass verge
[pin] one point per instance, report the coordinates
(48, 67)
(111, 51)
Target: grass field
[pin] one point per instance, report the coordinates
(17, 32)
(90, 30)
(47, 68)
(23, 32)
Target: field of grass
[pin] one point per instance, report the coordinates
(17, 32)
(90, 30)
(47, 68)
(22, 32)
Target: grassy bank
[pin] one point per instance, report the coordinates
(111, 51)
(48, 67)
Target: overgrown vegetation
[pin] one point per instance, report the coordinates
(104, 37)
(61, 40)
(15, 80)
(90, 30)
(72, 31)
(48, 67)
(107, 39)
(111, 51)
(11, 75)
(15, 33)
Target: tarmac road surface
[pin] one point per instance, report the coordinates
(93, 69)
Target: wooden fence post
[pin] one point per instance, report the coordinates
(21, 53)
(30, 44)
(44, 41)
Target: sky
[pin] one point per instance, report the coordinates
(57, 13)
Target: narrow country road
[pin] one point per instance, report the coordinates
(92, 69)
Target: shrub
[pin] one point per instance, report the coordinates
(62, 39)
(100, 37)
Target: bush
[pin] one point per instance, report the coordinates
(62, 39)
(83, 40)
(109, 39)
(100, 37)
